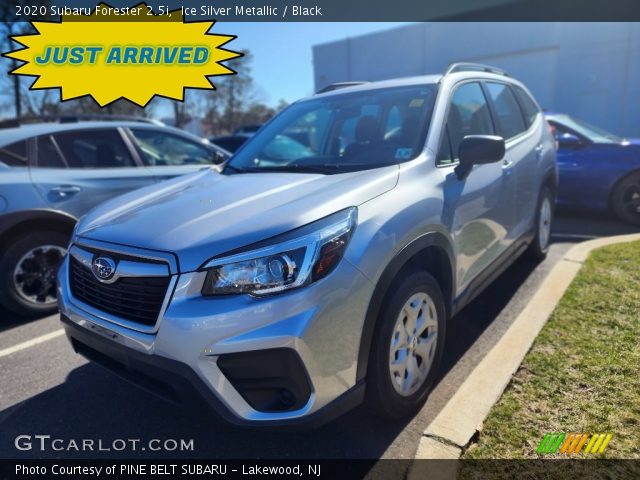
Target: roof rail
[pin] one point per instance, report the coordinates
(337, 85)
(474, 67)
(74, 118)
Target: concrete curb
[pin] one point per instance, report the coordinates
(452, 430)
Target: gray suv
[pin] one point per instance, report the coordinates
(321, 265)
(53, 172)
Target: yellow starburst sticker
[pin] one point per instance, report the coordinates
(110, 57)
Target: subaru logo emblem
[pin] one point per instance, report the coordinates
(103, 268)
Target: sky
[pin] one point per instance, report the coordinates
(282, 64)
(282, 60)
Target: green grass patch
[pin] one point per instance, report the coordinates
(581, 374)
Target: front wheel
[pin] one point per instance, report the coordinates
(544, 217)
(28, 270)
(407, 347)
(625, 199)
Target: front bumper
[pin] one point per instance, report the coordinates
(178, 383)
(180, 358)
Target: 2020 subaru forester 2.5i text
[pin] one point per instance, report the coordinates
(320, 267)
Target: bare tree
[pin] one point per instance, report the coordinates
(236, 100)
(190, 108)
(17, 91)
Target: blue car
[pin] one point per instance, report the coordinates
(597, 169)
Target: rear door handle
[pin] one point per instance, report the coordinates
(64, 191)
(540, 150)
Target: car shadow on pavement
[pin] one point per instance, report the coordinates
(468, 325)
(94, 404)
(9, 320)
(579, 225)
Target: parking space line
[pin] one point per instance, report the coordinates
(32, 342)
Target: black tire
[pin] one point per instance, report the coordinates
(41, 270)
(539, 248)
(625, 199)
(382, 396)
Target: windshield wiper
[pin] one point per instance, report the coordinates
(291, 168)
(325, 169)
(232, 168)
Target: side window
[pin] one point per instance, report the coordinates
(561, 130)
(445, 155)
(15, 154)
(530, 109)
(468, 115)
(164, 149)
(47, 155)
(94, 149)
(510, 121)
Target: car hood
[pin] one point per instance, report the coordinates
(205, 214)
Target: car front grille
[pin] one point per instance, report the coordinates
(138, 299)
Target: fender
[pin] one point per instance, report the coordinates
(10, 220)
(431, 239)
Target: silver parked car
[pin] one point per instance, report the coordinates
(302, 279)
(51, 173)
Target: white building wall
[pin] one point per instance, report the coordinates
(591, 70)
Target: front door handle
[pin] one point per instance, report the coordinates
(540, 150)
(64, 191)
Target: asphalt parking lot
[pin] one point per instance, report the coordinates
(47, 389)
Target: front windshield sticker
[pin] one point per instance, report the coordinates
(403, 153)
(416, 102)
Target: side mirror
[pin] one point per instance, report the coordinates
(478, 150)
(217, 157)
(568, 140)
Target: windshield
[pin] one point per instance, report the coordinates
(593, 133)
(341, 133)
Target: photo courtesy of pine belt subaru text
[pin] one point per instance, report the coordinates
(54, 169)
(319, 268)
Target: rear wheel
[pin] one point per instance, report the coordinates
(28, 270)
(625, 199)
(544, 217)
(407, 346)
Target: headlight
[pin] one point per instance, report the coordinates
(292, 260)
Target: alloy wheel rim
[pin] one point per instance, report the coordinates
(34, 277)
(413, 344)
(544, 227)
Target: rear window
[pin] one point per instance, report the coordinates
(529, 108)
(15, 154)
(47, 155)
(510, 119)
(94, 149)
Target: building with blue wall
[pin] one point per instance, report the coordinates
(590, 70)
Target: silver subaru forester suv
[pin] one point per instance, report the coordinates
(319, 268)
